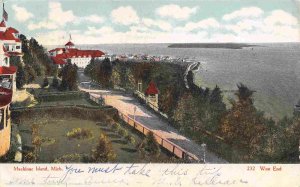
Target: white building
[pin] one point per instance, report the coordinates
(10, 45)
(81, 58)
(10, 39)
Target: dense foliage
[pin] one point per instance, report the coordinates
(240, 133)
(35, 62)
(69, 77)
(100, 71)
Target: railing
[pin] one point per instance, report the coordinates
(170, 146)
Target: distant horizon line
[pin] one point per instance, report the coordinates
(184, 43)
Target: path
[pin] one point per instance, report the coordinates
(125, 104)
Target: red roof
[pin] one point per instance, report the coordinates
(58, 61)
(69, 44)
(5, 96)
(8, 70)
(56, 49)
(12, 30)
(152, 89)
(9, 35)
(2, 24)
(76, 53)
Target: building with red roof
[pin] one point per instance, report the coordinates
(10, 39)
(10, 45)
(150, 95)
(81, 58)
(151, 89)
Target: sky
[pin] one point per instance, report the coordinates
(155, 21)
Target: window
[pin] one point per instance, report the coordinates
(18, 47)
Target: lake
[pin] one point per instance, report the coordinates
(272, 70)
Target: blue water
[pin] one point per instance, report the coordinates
(272, 70)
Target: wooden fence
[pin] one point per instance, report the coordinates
(170, 146)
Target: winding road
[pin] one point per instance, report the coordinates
(126, 104)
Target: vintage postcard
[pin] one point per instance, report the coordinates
(149, 93)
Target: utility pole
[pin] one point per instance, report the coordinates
(134, 111)
(299, 149)
(204, 152)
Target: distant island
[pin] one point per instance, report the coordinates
(211, 45)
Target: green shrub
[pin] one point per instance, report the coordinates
(79, 133)
(149, 146)
(122, 132)
(130, 139)
(29, 157)
(104, 151)
(116, 126)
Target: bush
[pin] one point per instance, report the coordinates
(79, 133)
(130, 139)
(122, 132)
(29, 157)
(104, 151)
(116, 126)
(149, 146)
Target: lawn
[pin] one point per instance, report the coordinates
(56, 122)
(57, 146)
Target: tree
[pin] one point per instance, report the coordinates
(69, 77)
(116, 77)
(24, 43)
(36, 140)
(216, 108)
(149, 146)
(45, 82)
(39, 69)
(55, 82)
(186, 115)
(104, 151)
(243, 125)
(88, 70)
(31, 74)
(36, 56)
(104, 73)
(63, 85)
(21, 76)
(142, 71)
